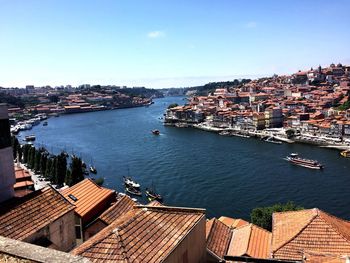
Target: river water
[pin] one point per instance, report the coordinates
(226, 175)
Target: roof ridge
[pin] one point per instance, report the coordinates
(120, 241)
(250, 235)
(172, 208)
(61, 195)
(293, 211)
(297, 234)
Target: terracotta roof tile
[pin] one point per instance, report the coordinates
(317, 257)
(20, 218)
(218, 239)
(123, 205)
(89, 196)
(144, 234)
(313, 229)
(233, 223)
(250, 240)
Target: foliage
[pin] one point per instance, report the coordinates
(344, 106)
(15, 144)
(77, 174)
(210, 87)
(99, 181)
(11, 100)
(262, 216)
(173, 105)
(290, 133)
(61, 169)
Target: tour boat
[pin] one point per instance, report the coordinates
(272, 140)
(129, 182)
(153, 195)
(345, 153)
(156, 132)
(295, 159)
(29, 138)
(132, 190)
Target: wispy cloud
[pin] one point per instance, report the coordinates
(251, 24)
(156, 34)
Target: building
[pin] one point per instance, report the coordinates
(150, 234)
(121, 206)
(43, 217)
(236, 238)
(296, 232)
(90, 201)
(7, 173)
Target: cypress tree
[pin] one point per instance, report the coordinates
(48, 168)
(19, 152)
(43, 162)
(37, 160)
(61, 168)
(68, 179)
(15, 143)
(77, 170)
(32, 157)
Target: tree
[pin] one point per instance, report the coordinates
(43, 163)
(37, 160)
(173, 105)
(77, 170)
(262, 216)
(61, 169)
(290, 133)
(99, 181)
(19, 152)
(48, 168)
(26, 148)
(68, 179)
(15, 143)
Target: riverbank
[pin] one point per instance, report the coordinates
(277, 134)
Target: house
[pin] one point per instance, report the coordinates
(121, 206)
(43, 217)
(90, 201)
(295, 232)
(24, 184)
(150, 234)
(241, 240)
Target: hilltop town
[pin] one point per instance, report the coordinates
(27, 102)
(310, 106)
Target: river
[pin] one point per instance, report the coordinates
(226, 175)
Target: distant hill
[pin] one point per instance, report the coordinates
(210, 87)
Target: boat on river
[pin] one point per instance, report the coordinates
(130, 182)
(152, 195)
(295, 159)
(345, 153)
(156, 132)
(30, 138)
(272, 140)
(132, 190)
(93, 169)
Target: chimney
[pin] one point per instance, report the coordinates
(7, 172)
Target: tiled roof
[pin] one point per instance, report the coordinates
(316, 257)
(218, 238)
(250, 240)
(88, 196)
(20, 218)
(123, 205)
(155, 203)
(144, 234)
(233, 223)
(313, 229)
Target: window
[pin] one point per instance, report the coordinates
(77, 232)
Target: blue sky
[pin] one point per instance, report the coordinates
(164, 43)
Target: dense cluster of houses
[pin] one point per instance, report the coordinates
(48, 100)
(97, 224)
(314, 101)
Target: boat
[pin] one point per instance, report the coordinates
(345, 153)
(132, 190)
(29, 138)
(129, 182)
(93, 169)
(156, 132)
(152, 195)
(295, 159)
(272, 140)
(45, 123)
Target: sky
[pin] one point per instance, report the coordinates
(166, 43)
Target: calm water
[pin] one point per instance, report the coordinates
(226, 175)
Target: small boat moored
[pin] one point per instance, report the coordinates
(130, 183)
(152, 195)
(156, 132)
(132, 190)
(93, 169)
(272, 140)
(30, 138)
(345, 153)
(45, 123)
(295, 159)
